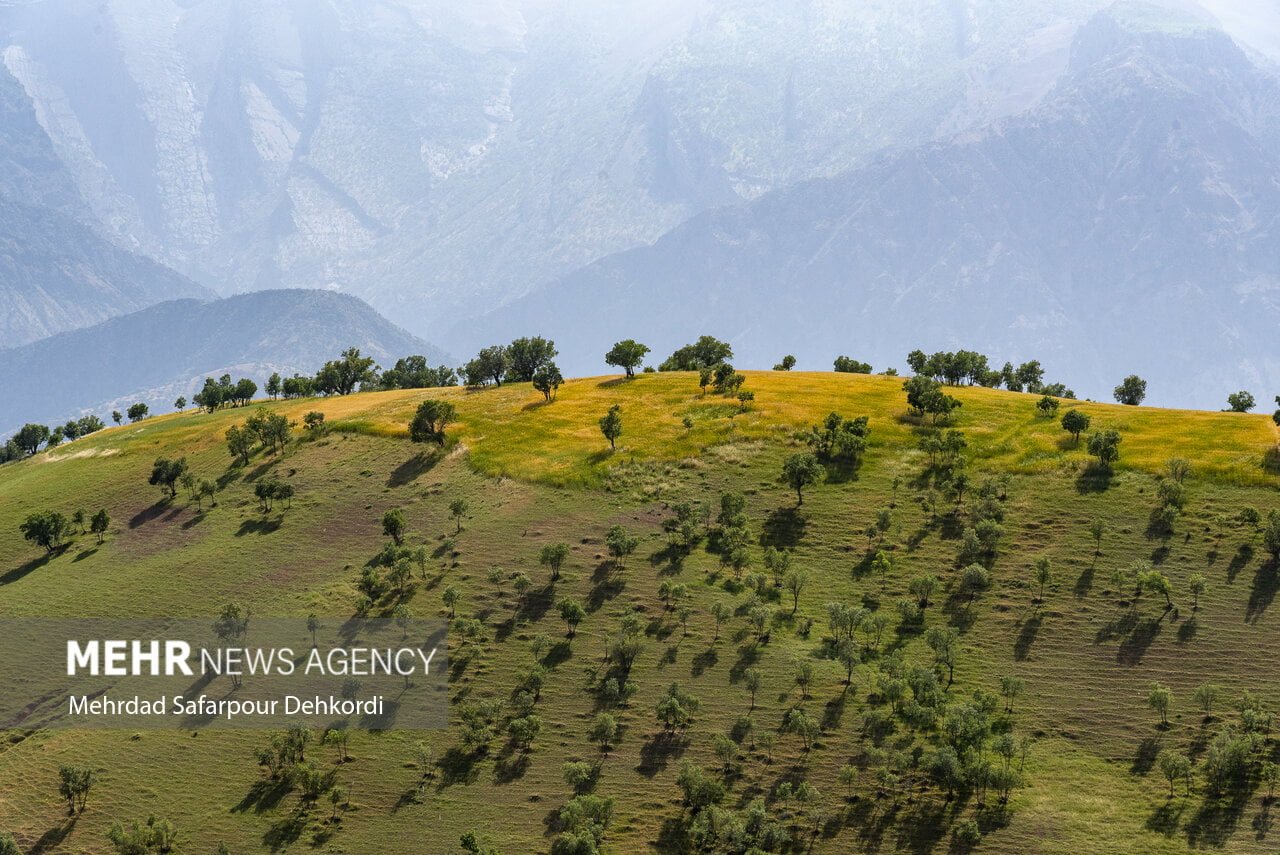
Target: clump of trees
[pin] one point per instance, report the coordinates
(925, 396)
(265, 429)
(517, 362)
(165, 474)
(225, 392)
(413, 372)
(431, 420)
(839, 439)
(849, 365)
(155, 835)
(972, 368)
(706, 352)
(344, 375)
(74, 784)
(30, 437)
(47, 529)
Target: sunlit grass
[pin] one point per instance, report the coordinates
(511, 431)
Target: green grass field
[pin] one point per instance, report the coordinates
(535, 473)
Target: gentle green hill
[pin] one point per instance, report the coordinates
(535, 473)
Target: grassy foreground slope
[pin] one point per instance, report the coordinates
(536, 473)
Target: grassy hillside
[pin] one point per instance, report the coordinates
(536, 473)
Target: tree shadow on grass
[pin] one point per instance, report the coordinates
(413, 468)
(85, 553)
(1144, 759)
(51, 840)
(1271, 460)
(1094, 479)
(286, 831)
(1187, 630)
(34, 564)
(458, 767)
(557, 655)
(1027, 636)
(149, 513)
(1084, 583)
(1263, 821)
(1166, 818)
(659, 751)
(605, 586)
(924, 826)
(670, 559)
(1239, 561)
(1266, 581)
(535, 604)
(704, 661)
(1134, 646)
(1134, 632)
(264, 795)
(261, 525)
(511, 765)
(783, 528)
(1216, 821)
(843, 470)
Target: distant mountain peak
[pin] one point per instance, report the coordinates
(166, 350)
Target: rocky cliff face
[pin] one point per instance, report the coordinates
(1125, 224)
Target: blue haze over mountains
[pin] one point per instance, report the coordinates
(1087, 183)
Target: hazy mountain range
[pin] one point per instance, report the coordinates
(1127, 223)
(1074, 180)
(156, 354)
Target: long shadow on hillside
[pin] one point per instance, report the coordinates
(605, 585)
(1135, 633)
(659, 751)
(264, 795)
(924, 826)
(1094, 479)
(1084, 583)
(259, 526)
(413, 468)
(148, 514)
(458, 767)
(1266, 581)
(1027, 636)
(51, 840)
(286, 831)
(1239, 561)
(783, 528)
(535, 604)
(1145, 757)
(670, 559)
(34, 564)
(1166, 818)
(1216, 821)
(842, 471)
